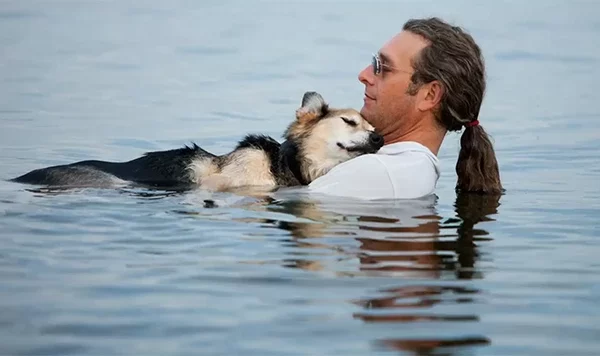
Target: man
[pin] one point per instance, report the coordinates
(425, 81)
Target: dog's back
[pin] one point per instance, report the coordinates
(158, 169)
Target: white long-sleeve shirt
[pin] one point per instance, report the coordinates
(403, 170)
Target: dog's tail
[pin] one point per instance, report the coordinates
(157, 169)
(85, 173)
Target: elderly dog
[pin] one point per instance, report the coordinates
(317, 140)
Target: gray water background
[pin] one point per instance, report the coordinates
(124, 272)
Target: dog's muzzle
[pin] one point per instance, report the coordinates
(373, 143)
(375, 140)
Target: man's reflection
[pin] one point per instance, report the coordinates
(408, 242)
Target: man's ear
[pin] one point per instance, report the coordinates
(313, 106)
(430, 95)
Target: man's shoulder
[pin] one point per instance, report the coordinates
(367, 165)
(372, 159)
(361, 177)
(392, 157)
(396, 171)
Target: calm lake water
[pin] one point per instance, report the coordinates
(141, 272)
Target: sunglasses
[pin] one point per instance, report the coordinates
(378, 66)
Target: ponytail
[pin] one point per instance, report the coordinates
(454, 59)
(477, 167)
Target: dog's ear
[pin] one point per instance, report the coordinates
(313, 107)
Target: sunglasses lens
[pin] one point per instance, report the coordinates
(375, 65)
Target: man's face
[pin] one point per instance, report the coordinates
(387, 106)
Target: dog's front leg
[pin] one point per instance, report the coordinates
(216, 182)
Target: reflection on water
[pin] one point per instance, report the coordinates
(431, 247)
(421, 246)
(435, 255)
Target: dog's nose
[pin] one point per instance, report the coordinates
(376, 139)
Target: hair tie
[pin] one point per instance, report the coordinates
(472, 123)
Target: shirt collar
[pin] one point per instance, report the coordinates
(404, 146)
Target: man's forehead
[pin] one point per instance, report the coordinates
(401, 48)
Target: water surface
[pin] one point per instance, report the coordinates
(131, 271)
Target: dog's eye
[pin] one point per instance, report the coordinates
(349, 122)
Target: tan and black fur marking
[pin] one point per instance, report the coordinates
(319, 139)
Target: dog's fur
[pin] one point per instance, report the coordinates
(319, 139)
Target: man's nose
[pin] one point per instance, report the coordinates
(366, 75)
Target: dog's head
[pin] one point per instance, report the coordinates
(327, 137)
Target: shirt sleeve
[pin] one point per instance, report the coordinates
(372, 177)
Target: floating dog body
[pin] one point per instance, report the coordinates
(319, 139)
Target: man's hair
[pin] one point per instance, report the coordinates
(454, 60)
